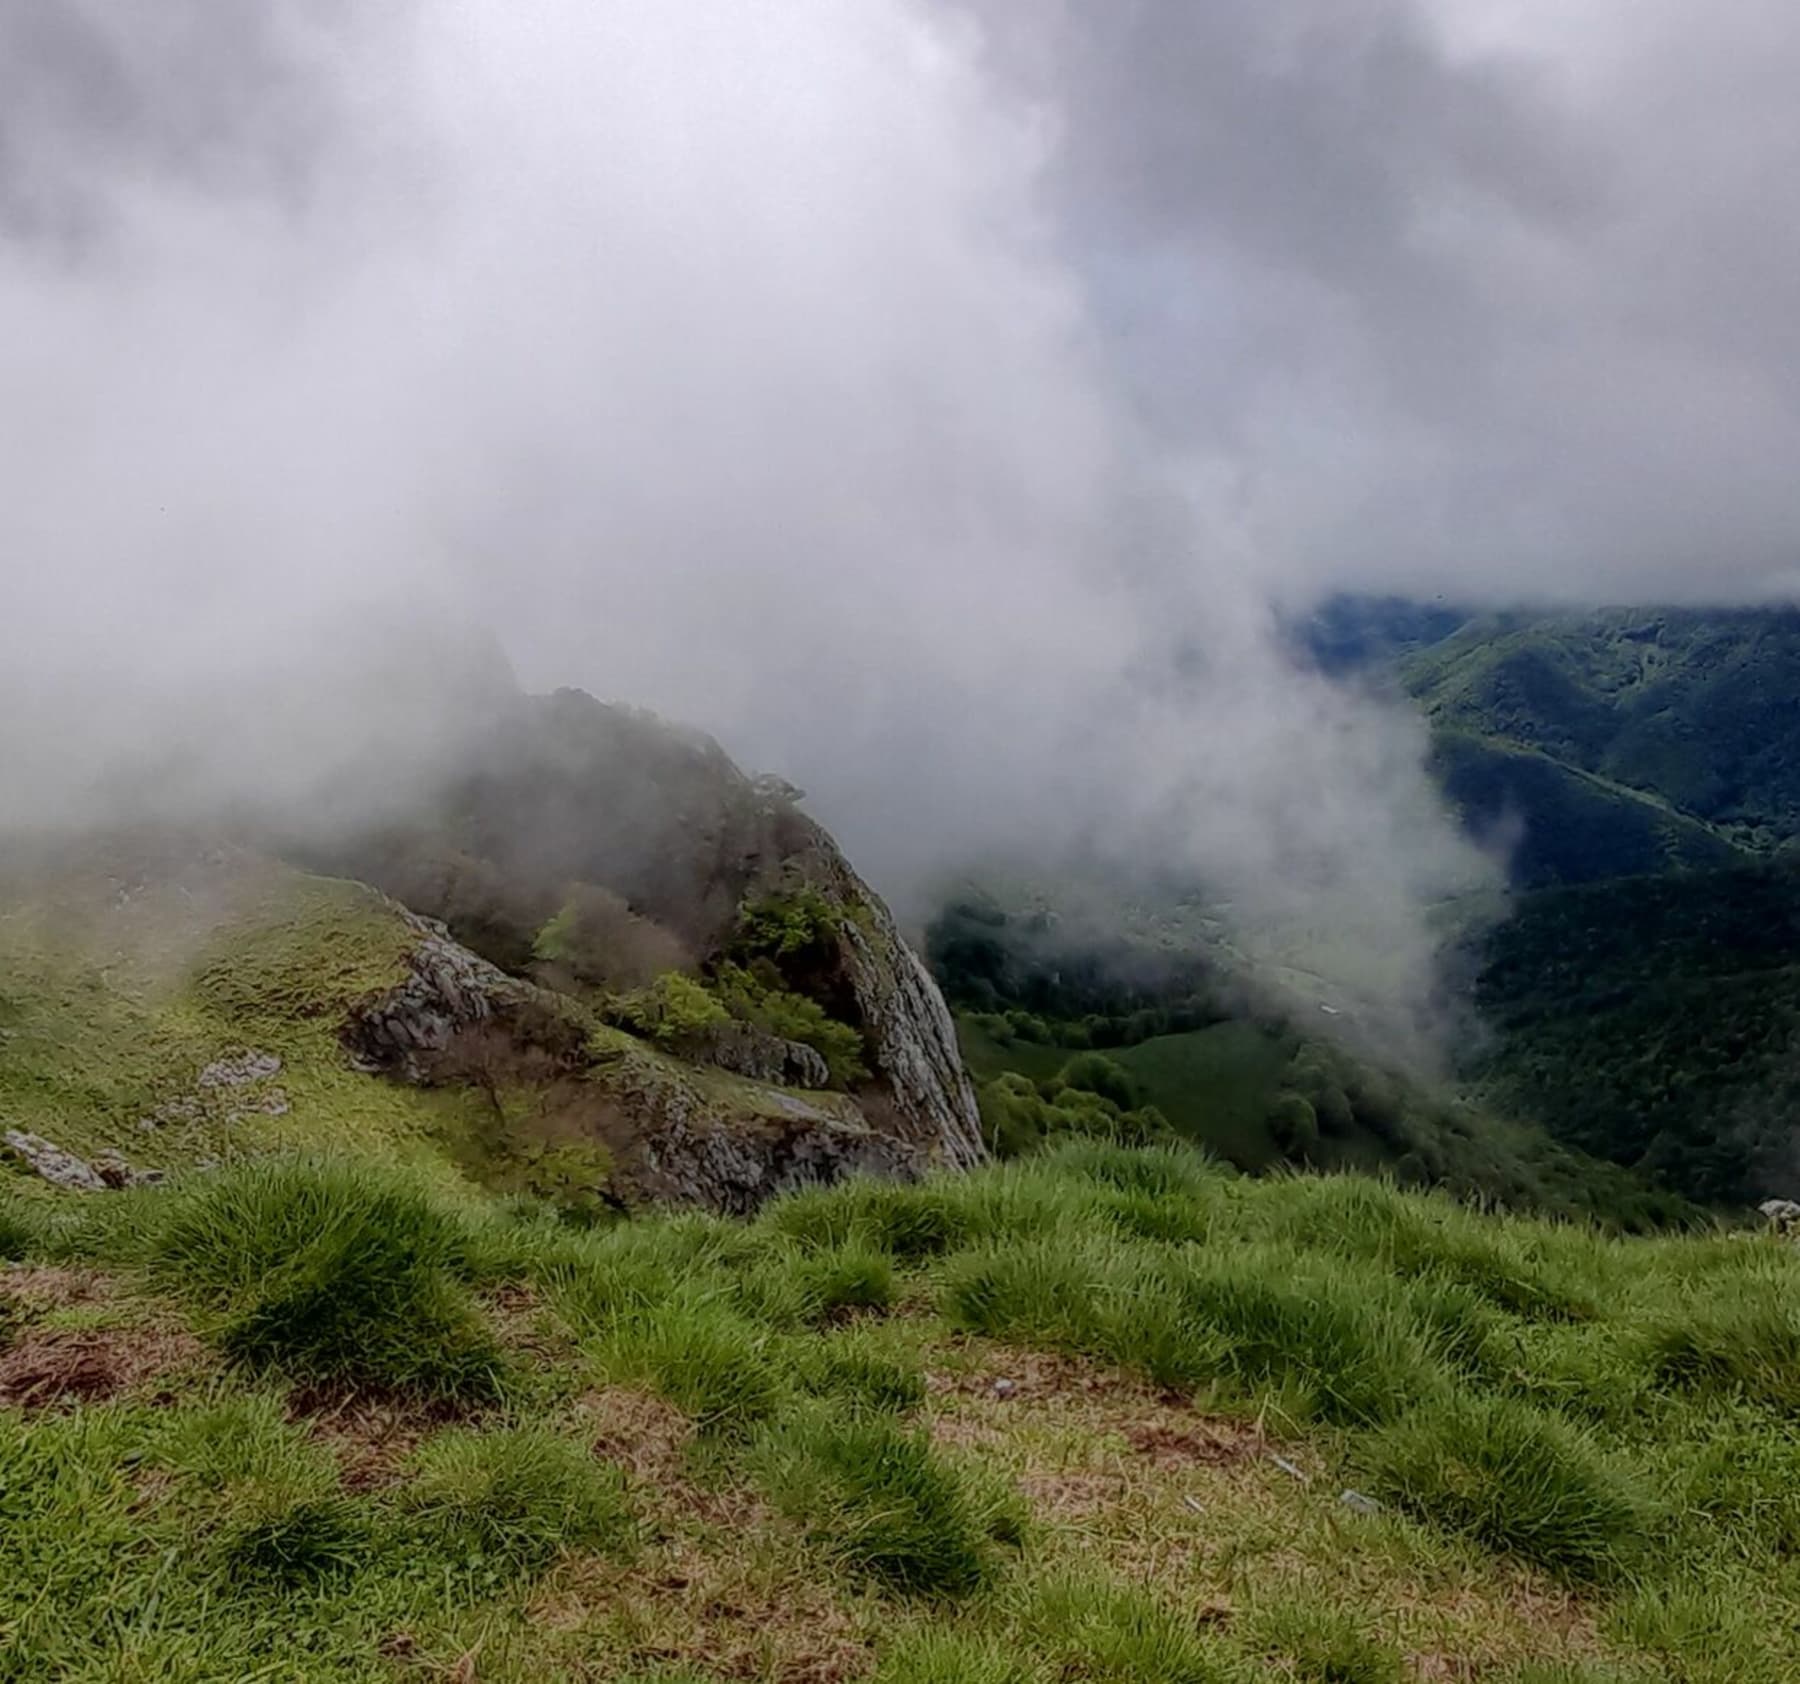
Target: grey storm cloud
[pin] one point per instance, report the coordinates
(1487, 297)
(936, 399)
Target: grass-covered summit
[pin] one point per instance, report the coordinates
(1100, 1414)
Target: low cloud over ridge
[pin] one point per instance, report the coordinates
(933, 400)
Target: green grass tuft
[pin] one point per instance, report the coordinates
(1118, 1634)
(929, 1656)
(904, 1222)
(513, 1498)
(328, 1272)
(1747, 1345)
(719, 1369)
(1318, 1643)
(1329, 1339)
(860, 1369)
(878, 1497)
(847, 1278)
(303, 1544)
(1515, 1479)
(20, 1229)
(1522, 1268)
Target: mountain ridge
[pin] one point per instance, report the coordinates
(751, 967)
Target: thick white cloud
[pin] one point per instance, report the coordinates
(1481, 297)
(930, 399)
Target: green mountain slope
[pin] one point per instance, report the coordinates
(1656, 1022)
(1637, 764)
(1696, 707)
(1560, 824)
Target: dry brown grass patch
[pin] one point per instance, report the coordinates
(695, 1601)
(372, 1434)
(37, 1288)
(960, 1433)
(1071, 1496)
(638, 1430)
(1208, 1442)
(516, 1310)
(1031, 1377)
(50, 1368)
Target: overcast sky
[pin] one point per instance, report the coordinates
(895, 389)
(1461, 295)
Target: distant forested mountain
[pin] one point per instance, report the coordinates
(1617, 742)
(1643, 768)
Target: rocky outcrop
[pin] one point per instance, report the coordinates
(675, 1130)
(921, 1093)
(745, 1050)
(447, 991)
(733, 1170)
(1782, 1215)
(564, 792)
(728, 1144)
(108, 1171)
(913, 1038)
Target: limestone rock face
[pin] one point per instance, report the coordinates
(729, 1144)
(745, 1050)
(59, 1168)
(108, 1170)
(449, 990)
(923, 1096)
(733, 1171)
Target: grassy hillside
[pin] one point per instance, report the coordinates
(120, 986)
(1097, 1416)
(184, 1005)
(1638, 762)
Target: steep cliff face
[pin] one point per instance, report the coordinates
(926, 1098)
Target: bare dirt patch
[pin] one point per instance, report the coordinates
(50, 1368)
(1208, 1442)
(372, 1434)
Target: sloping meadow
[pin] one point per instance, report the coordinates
(1101, 1414)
